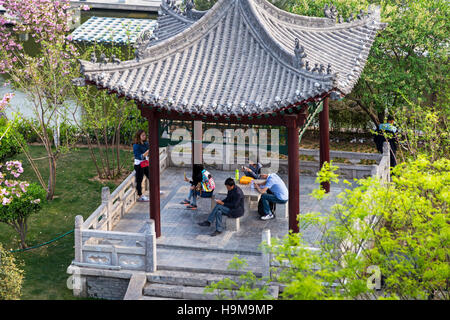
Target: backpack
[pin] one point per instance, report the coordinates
(208, 184)
(272, 206)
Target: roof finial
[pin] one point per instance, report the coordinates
(93, 57)
(330, 11)
(189, 6)
(114, 59)
(300, 54)
(361, 14)
(329, 69)
(351, 18)
(316, 68)
(103, 58)
(307, 67)
(321, 69)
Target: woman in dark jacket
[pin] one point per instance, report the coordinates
(140, 150)
(232, 206)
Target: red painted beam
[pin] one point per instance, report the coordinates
(277, 119)
(155, 214)
(324, 128)
(292, 123)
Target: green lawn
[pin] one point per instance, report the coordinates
(76, 194)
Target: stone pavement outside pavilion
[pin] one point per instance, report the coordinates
(183, 243)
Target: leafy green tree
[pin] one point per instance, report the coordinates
(408, 59)
(402, 230)
(11, 276)
(104, 116)
(423, 130)
(45, 77)
(204, 4)
(9, 146)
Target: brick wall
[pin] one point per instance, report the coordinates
(106, 288)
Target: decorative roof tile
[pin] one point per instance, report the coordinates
(241, 58)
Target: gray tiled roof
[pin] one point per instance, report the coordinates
(242, 57)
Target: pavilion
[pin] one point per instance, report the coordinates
(244, 62)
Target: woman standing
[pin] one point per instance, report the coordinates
(140, 150)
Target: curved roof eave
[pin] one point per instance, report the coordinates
(262, 40)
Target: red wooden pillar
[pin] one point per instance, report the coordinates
(324, 128)
(153, 137)
(294, 171)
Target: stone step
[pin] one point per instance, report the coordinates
(160, 290)
(194, 279)
(173, 259)
(156, 298)
(214, 250)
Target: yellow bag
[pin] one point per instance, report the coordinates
(245, 180)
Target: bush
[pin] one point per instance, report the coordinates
(8, 144)
(11, 276)
(18, 199)
(400, 231)
(71, 133)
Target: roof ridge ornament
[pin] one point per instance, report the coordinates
(300, 54)
(351, 18)
(361, 15)
(189, 6)
(93, 57)
(142, 41)
(331, 12)
(329, 69)
(114, 59)
(103, 59)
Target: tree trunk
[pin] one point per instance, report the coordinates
(51, 178)
(375, 118)
(20, 225)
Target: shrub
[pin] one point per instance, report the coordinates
(400, 231)
(11, 276)
(18, 200)
(9, 146)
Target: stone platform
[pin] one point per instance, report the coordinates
(184, 245)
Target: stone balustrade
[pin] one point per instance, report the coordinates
(353, 170)
(381, 170)
(99, 249)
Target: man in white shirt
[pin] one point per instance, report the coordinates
(279, 193)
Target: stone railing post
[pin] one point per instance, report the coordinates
(105, 200)
(78, 239)
(150, 247)
(266, 255)
(387, 163)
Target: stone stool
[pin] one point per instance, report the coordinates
(282, 210)
(231, 224)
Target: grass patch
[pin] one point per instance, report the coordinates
(77, 193)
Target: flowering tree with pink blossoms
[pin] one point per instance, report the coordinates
(46, 76)
(18, 199)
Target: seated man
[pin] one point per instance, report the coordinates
(279, 194)
(253, 170)
(232, 206)
(196, 179)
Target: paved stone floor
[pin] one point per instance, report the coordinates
(179, 226)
